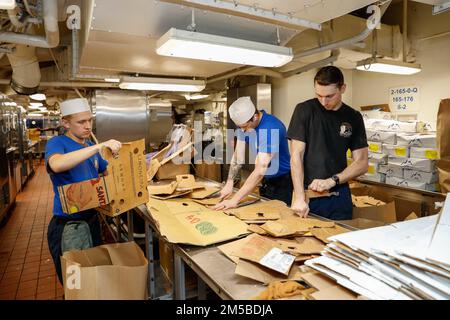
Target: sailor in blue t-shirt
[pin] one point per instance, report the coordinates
(73, 158)
(266, 137)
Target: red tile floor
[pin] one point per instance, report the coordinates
(26, 266)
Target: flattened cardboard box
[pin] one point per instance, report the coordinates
(115, 271)
(184, 221)
(124, 188)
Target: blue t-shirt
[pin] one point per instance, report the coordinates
(86, 170)
(269, 137)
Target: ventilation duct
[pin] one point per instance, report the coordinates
(26, 73)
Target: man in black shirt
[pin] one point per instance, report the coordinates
(321, 131)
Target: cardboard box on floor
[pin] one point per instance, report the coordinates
(124, 188)
(110, 272)
(395, 209)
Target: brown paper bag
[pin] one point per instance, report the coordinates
(110, 272)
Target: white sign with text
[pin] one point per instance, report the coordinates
(404, 99)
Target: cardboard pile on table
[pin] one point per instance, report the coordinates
(267, 259)
(405, 260)
(124, 188)
(184, 185)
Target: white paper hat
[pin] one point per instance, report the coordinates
(72, 106)
(242, 110)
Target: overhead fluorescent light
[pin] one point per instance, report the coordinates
(33, 107)
(115, 80)
(38, 96)
(7, 4)
(10, 103)
(202, 46)
(161, 84)
(36, 104)
(195, 96)
(388, 66)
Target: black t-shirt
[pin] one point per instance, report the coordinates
(328, 135)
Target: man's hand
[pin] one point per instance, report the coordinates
(112, 144)
(226, 204)
(226, 191)
(320, 185)
(300, 207)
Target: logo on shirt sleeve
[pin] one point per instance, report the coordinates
(345, 130)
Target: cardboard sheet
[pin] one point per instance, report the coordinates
(184, 221)
(228, 248)
(324, 233)
(257, 229)
(203, 193)
(301, 246)
(162, 187)
(266, 252)
(187, 182)
(255, 271)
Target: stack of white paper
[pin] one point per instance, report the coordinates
(405, 260)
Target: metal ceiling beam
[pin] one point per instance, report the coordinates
(255, 13)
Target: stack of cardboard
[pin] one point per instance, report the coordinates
(406, 260)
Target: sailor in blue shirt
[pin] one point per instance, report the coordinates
(72, 158)
(266, 137)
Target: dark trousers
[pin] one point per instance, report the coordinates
(279, 188)
(55, 231)
(334, 207)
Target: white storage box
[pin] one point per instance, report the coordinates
(412, 184)
(394, 125)
(424, 153)
(376, 177)
(417, 140)
(420, 176)
(396, 151)
(379, 158)
(381, 136)
(425, 165)
(391, 170)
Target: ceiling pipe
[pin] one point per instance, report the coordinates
(331, 46)
(346, 42)
(51, 38)
(318, 64)
(26, 73)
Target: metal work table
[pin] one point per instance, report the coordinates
(211, 267)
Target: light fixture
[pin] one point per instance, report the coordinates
(195, 96)
(36, 104)
(7, 4)
(38, 96)
(161, 84)
(114, 80)
(388, 66)
(202, 46)
(33, 107)
(10, 104)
